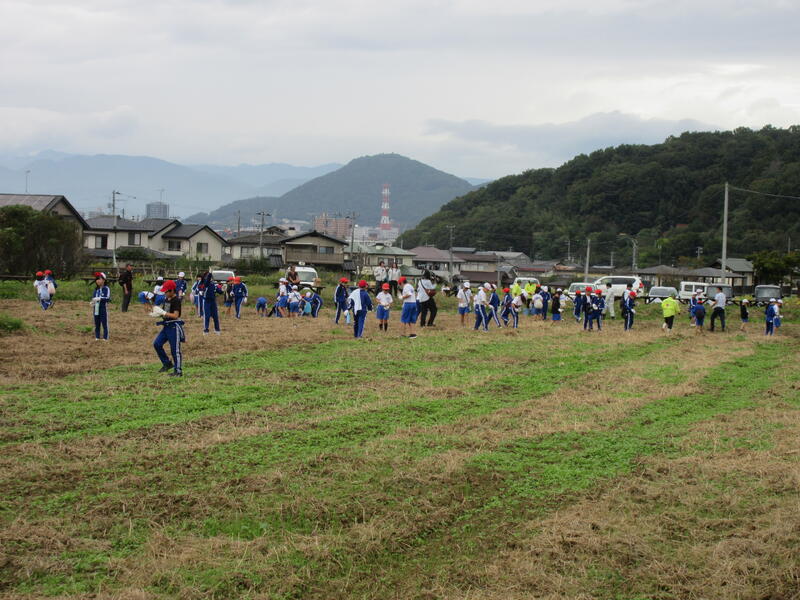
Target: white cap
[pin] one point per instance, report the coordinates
(308, 294)
(544, 288)
(294, 287)
(181, 274)
(466, 284)
(494, 287)
(487, 286)
(779, 301)
(159, 278)
(772, 299)
(281, 279)
(745, 301)
(559, 290)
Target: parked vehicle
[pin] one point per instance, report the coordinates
(221, 275)
(619, 283)
(522, 281)
(763, 293)
(711, 291)
(307, 275)
(578, 285)
(658, 293)
(688, 288)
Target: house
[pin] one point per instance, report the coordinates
(103, 233)
(513, 258)
(50, 204)
(314, 248)
(199, 242)
(246, 247)
(438, 261)
(369, 256)
(476, 261)
(740, 266)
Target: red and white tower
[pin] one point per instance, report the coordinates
(385, 224)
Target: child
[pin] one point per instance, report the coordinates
(197, 297)
(699, 316)
(464, 297)
(172, 330)
(692, 306)
(537, 302)
(52, 285)
(588, 299)
(180, 285)
(239, 295)
(209, 290)
(311, 304)
(99, 303)
(42, 286)
(359, 302)
(769, 317)
(159, 296)
(146, 299)
(778, 316)
(630, 311)
(282, 302)
(556, 308)
(384, 299)
(546, 297)
(227, 295)
(340, 300)
(410, 308)
(294, 302)
(480, 303)
(261, 306)
(577, 306)
(597, 305)
(507, 300)
(494, 305)
(744, 314)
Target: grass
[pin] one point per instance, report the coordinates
(10, 324)
(503, 466)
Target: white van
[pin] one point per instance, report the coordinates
(307, 275)
(619, 283)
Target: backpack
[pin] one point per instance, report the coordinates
(537, 303)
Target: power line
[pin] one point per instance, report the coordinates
(733, 187)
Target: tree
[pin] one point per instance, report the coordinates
(772, 266)
(31, 241)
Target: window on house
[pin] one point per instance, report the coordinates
(247, 251)
(325, 249)
(101, 242)
(202, 248)
(174, 245)
(134, 239)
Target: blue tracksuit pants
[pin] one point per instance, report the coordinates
(101, 320)
(628, 320)
(341, 306)
(358, 323)
(171, 333)
(238, 304)
(481, 318)
(210, 312)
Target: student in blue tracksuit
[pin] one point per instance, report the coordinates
(588, 298)
(769, 317)
(311, 304)
(630, 311)
(494, 306)
(508, 299)
(209, 290)
(693, 302)
(545, 293)
(699, 316)
(159, 295)
(227, 295)
(596, 306)
(197, 297)
(340, 298)
(171, 330)
(180, 285)
(53, 284)
(261, 306)
(239, 293)
(359, 302)
(480, 302)
(99, 302)
(577, 306)
(556, 307)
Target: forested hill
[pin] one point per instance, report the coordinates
(669, 195)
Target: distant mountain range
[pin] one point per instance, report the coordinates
(417, 190)
(213, 194)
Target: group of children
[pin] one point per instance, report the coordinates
(45, 285)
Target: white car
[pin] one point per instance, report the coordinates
(307, 275)
(578, 286)
(619, 283)
(221, 275)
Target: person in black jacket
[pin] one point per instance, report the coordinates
(126, 281)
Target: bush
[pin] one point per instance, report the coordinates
(10, 324)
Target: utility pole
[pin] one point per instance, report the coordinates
(114, 228)
(569, 251)
(612, 259)
(261, 234)
(353, 217)
(699, 252)
(588, 253)
(238, 223)
(724, 261)
(452, 229)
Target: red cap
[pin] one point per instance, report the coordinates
(577, 292)
(588, 290)
(39, 274)
(48, 272)
(168, 285)
(386, 286)
(237, 279)
(402, 279)
(362, 284)
(343, 280)
(633, 294)
(506, 290)
(231, 278)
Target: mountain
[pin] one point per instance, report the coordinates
(241, 211)
(669, 196)
(88, 180)
(417, 190)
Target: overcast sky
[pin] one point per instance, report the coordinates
(473, 87)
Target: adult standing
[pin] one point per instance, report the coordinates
(670, 309)
(409, 315)
(427, 305)
(394, 276)
(719, 309)
(610, 299)
(126, 281)
(381, 276)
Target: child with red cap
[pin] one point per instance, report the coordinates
(359, 302)
(340, 300)
(385, 300)
(99, 303)
(239, 294)
(52, 284)
(42, 288)
(630, 311)
(410, 307)
(172, 330)
(508, 300)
